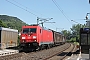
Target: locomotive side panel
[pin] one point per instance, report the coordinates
(51, 36)
(39, 34)
(47, 36)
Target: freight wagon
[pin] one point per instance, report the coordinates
(35, 36)
(8, 37)
(58, 38)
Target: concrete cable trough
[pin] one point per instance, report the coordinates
(8, 52)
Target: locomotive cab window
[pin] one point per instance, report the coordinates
(31, 30)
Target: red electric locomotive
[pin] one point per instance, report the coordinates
(35, 36)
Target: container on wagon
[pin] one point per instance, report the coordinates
(8, 37)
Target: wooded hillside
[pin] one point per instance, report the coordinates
(11, 22)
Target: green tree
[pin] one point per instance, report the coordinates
(67, 34)
(12, 22)
(2, 24)
(73, 34)
(75, 30)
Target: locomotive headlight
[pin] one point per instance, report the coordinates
(23, 37)
(35, 40)
(34, 37)
(23, 41)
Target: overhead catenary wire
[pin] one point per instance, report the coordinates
(61, 10)
(27, 7)
(22, 8)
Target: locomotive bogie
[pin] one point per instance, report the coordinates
(33, 44)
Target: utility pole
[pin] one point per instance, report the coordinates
(42, 20)
(37, 20)
(87, 20)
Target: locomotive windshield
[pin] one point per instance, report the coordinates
(27, 30)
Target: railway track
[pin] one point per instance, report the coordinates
(38, 55)
(64, 54)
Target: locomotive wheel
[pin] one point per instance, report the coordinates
(38, 48)
(42, 47)
(48, 46)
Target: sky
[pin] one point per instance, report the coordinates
(62, 11)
